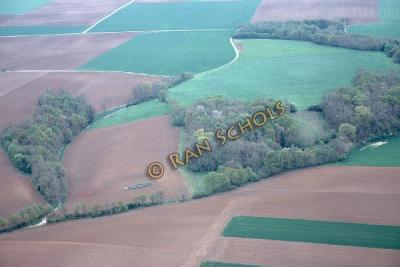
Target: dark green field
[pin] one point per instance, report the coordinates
(309, 231)
(224, 264)
(38, 30)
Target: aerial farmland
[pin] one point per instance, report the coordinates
(200, 133)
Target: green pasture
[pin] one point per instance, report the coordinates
(389, 26)
(167, 53)
(385, 155)
(17, 7)
(39, 30)
(299, 72)
(179, 16)
(140, 111)
(225, 264)
(310, 231)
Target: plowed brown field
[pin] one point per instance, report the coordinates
(66, 13)
(19, 92)
(66, 52)
(356, 11)
(188, 233)
(101, 162)
(16, 189)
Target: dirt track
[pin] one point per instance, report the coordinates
(101, 162)
(19, 92)
(174, 235)
(356, 11)
(54, 13)
(66, 52)
(16, 190)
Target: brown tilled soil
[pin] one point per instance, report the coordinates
(101, 162)
(79, 13)
(186, 234)
(19, 92)
(66, 52)
(355, 11)
(16, 189)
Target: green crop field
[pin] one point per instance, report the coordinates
(184, 15)
(17, 7)
(389, 26)
(167, 53)
(225, 264)
(37, 30)
(385, 155)
(299, 72)
(140, 111)
(324, 232)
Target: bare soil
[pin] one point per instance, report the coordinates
(186, 234)
(16, 189)
(101, 162)
(19, 92)
(65, 13)
(355, 11)
(66, 52)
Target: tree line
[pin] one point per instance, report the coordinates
(365, 111)
(35, 145)
(322, 32)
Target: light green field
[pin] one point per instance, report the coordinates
(167, 53)
(140, 111)
(38, 30)
(299, 72)
(225, 264)
(17, 7)
(179, 16)
(310, 231)
(389, 26)
(385, 155)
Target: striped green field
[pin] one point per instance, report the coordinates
(299, 72)
(40, 30)
(18, 7)
(310, 231)
(167, 53)
(385, 153)
(140, 111)
(389, 26)
(179, 16)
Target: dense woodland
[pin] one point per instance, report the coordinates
(367, 110)
(322, 32)
(35, 145)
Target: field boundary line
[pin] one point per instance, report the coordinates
(109, 15)
(223, 66)
(86, 71)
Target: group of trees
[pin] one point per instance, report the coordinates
(148, 90)
(322, 32)
(35, 145)
(85, 211)
(27, 216)
(369, 109)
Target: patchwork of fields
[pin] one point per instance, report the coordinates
(167, 53)
(389, 25)
(286, 71)
(344, 214)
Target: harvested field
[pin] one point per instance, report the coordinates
(101, 162)
(20, 91)
(187, 234)
(21, 6)
(356, 11)
(79, 13)
(16, 190)
(55, 52)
